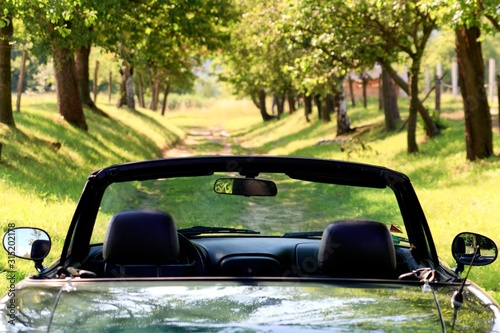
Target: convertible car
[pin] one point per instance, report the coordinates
(248, 244)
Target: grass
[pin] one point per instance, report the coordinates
(45, 162)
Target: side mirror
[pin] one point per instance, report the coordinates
(465, 244)
(27, 243)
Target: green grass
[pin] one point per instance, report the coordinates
(40, 183)
(45, 162)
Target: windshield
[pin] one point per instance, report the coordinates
(299, 207)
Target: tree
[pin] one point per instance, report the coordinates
(400, 27)
(478, 130)
(58, 29)
(390, 101)
(163, 39)
(67, 89)
(82, 56)
(468, 19)
(326, 52)
(6, 32)
(259, 57)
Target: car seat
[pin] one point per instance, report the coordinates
(357, 249)
(141, 243)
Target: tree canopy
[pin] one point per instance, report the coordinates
(281, 48)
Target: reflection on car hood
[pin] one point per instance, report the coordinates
(250, 306)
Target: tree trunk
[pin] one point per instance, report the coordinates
(6, 116)
(262, 106)
(390, 101)
(319, 106)
(343, 123)
(351, 91)
(329, 108)
(82, 69)
(20, 82)
(380, 93)
(126, 87)
(255, 99)
(498, 97)
(307, 106)
(478, 130)
(140, 90)
(281, 105)
(394, 94)
(274, 104)
(155, 93)
(69, 102)
(124, 74)
(96, 82)
(412, 118)
(430, 127)
(165, 95)
(364, 83)
(82, 72)
(129, 87)
(290, 97)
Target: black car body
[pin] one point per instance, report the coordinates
(250, 244)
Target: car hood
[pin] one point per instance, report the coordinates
(246, 305)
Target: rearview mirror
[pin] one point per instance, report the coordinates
(27, 243)
(245, 186)
(464, 245)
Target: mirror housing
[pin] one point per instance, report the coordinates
(464, 245)
(245, 186)
(27, 243)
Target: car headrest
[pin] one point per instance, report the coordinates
(141, 237)
(357, 248)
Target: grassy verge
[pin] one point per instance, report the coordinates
(45, 162)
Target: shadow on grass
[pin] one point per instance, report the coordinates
(50, 158)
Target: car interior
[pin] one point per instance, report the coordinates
(145, 243)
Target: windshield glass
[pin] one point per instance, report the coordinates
(298, 207)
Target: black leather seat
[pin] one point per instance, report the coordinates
(357, 249)
(141, 243)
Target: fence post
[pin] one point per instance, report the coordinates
(498, 96)
(491, 83)
(427, 80)
(454, 79)
(437, 82)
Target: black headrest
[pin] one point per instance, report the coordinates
(357, 248)
(141, 237)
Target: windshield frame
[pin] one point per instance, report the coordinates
(329, 171)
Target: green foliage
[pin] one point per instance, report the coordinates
(482, 14)
(257, 54)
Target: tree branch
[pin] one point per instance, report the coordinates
(493, 21)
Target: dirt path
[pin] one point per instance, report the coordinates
(460, 116)
(202, 141)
